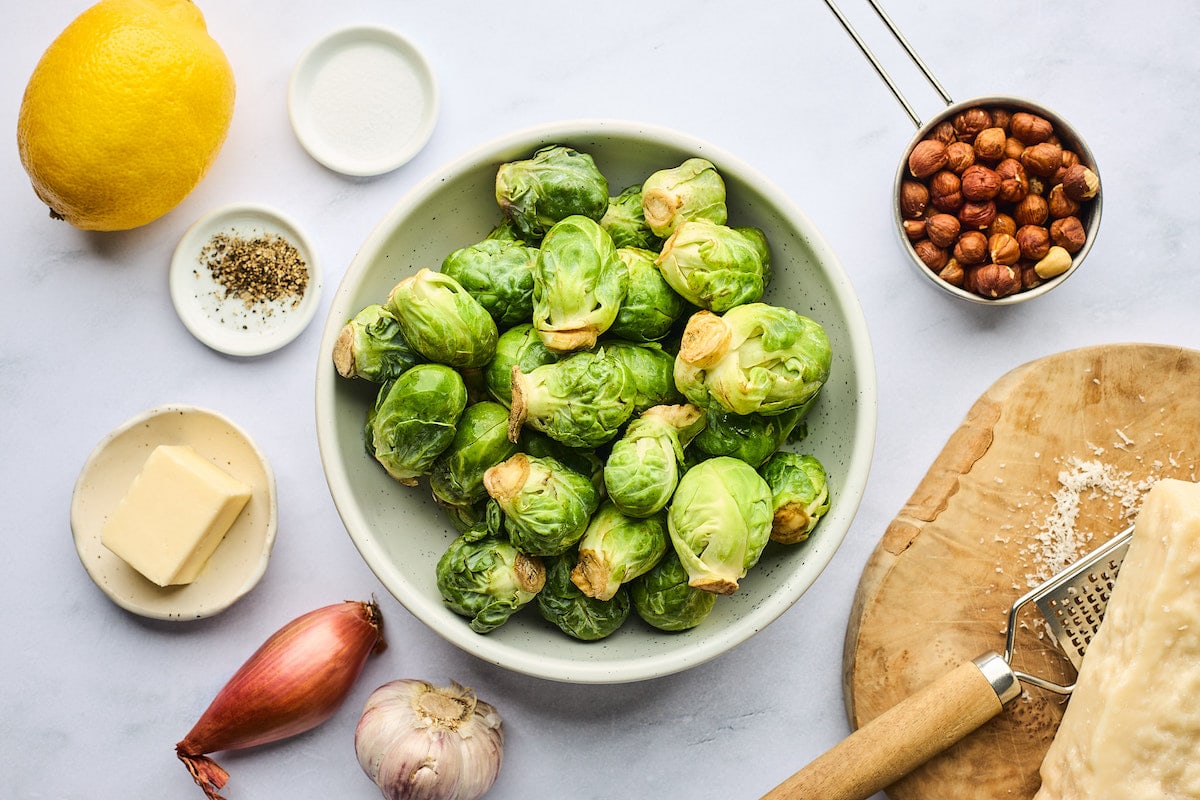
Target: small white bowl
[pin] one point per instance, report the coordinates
(362, 101)
(399, 530)
(227, 324)
(237, 564)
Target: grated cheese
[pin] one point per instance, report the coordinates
(1057, 542)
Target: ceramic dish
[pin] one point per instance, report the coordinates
(362, 101)
(238, 562)
(401, 533)
(228, 324)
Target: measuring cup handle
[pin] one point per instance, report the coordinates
(907, 735)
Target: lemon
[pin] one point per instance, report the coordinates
(125, 113)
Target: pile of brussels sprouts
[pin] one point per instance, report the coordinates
(597, 398)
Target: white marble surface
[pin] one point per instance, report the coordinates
(94, 699)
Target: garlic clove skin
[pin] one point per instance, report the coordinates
(421, 742)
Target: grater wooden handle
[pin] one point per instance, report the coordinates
(907, 735)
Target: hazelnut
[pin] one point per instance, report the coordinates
(1080, 183)
(1003, 249)
(1003, 223)
(1068, 233)
(914, 197)
(1001, 118)
(1056, 261)
(1029, 277)
(1069, 159)
(977, 214)
(1014, 183)
(1037, 185)
(995, 280)
(1042, 159)
(1030, 128)
(989, 144)
(1033, 210)
(928, 157)
(914, 229)
(931, 255)
(969, 122)
(1013, 147)
(952, 273)
(1034, 241)
(943, 132)
(945, 191)
(980, 182)
(1060, 205)
(971, 248)
(942, 229)
(960, 155)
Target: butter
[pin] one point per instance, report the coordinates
(175, 513)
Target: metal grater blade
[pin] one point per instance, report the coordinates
(1073, 602)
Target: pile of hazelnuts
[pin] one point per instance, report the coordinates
(994, 202)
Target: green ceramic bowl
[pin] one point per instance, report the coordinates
(401, 533)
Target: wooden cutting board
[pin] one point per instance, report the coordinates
(938, 587)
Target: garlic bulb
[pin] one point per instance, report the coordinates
(421, 742)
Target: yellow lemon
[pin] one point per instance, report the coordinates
(125, 112)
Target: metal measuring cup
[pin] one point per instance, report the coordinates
(1070, 139)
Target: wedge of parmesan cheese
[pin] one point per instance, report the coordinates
(1132, 727)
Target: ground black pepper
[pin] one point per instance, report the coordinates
(256, 270)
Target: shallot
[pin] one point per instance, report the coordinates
(295, 681)
(421, 742)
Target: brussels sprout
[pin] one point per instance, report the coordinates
(499, 274)
(546, 506)
(442, 321)
(372, 346)
(579, 459)
(505, 231)
(464, 518)
(693, 190)
(652, 370)
(762, 246)
(579, 283)
(755, 359)
(663, 598)
(626, 222)
(581, 401)
(486, 579)
(720, 521)
(651, 306)
(555, 183)
(643, 466)
(414, 420)
(519, 346)
(480, 442)
(577, 615)
(713, 266)
(751, 437)
(801, 495)
(617, 548)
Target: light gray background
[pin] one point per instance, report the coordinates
(94, 699)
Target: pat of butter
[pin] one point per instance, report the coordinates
(176, 512)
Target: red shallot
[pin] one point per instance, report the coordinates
(295, 681)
